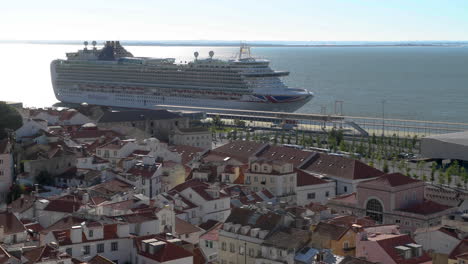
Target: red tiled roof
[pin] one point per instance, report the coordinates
(239, 150)
(11, 224)
(330, 165)
(306, 179)
(332, 231)
(213, 233)
(198, 257)
(22, 204)
(98, 259)
(183, 227)
(346, 198)
(316, 207)
(427, 207)
(168, 252)
(187, 152)
(112, 187)
(393, 180)
(349, 220)
(286, 154)
(64, 206)
(143, 170)
(461, 248)
(389, 244)
(44, 253)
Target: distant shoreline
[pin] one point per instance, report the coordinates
(291, 44)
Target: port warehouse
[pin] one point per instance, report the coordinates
(355, 126)
(449, 146)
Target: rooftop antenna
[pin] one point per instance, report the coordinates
(196, 55)
(85, 45)
(211, 53)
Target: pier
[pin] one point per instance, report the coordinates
(320, 123)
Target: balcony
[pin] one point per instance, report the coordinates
(347, 249)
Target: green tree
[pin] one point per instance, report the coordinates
(239, 123)
(433, 171)
(385, 167)
(424, 177)
(217, 122)
(464, 176)
(247, 136)
(10, 119)
(374, 138)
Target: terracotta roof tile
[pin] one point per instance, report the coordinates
(307, 179)
(393, 180)
(389, 244)
(330, 165)
(168, 252)
(11, 224)
(427, 207)
(183, 227)
(98, 259)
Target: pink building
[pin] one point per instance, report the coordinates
(392, 199)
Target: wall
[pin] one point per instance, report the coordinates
(320, 191)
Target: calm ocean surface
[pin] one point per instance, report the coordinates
(425, 83)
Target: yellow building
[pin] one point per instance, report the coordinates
(341, 240)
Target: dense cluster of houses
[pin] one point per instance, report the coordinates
(119, 189)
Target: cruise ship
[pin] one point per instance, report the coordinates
(112, 76)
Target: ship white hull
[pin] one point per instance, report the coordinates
(155, 102)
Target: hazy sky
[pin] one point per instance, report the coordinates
(234, 20)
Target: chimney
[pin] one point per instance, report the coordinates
(76, 234)
(85, 198)
(2, 233)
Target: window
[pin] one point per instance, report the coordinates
(345, 189)
(1, 161)
(1, 173)
(311, 196)
(374, 210)
(327, 193)
(100, 248)
(90, 233)
(208, 244)
(232, 248)
(69, 251)
(251, 252)
(255, 179)
(223, 246)
(397, 221)
(86, 250)
(115, 153)
(345, 245)
(114, 246)
(241, 250)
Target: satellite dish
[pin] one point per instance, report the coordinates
(195, 54)
(211, 54)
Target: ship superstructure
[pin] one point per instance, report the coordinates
(112, 76)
